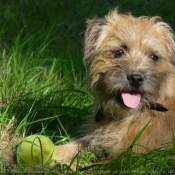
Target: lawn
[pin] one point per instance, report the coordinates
(43, 82)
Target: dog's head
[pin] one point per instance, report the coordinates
(132, 60)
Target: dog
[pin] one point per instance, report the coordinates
(132, 74)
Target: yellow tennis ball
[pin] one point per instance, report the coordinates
(36, 149)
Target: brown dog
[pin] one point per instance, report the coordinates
(133, 75)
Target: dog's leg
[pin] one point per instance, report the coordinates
(64, 153)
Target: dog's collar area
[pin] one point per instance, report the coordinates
(158, 107)
(154, 106)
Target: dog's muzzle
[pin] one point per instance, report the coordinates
(132, 98)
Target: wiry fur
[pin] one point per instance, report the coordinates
(139, 38)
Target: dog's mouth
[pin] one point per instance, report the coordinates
(131, 99)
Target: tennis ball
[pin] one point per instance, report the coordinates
(36, 149)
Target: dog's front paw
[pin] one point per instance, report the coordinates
(64, 153)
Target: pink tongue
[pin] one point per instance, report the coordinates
(131, 100)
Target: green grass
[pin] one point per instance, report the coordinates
(43, 82)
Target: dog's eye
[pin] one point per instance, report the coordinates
(154, 57)
(118, 53)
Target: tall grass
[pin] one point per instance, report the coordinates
(43, 84)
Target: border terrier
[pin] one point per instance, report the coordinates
(133, 76)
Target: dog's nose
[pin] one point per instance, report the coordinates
(135, 80)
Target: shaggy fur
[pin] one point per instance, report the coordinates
(128, 55)
(118, 46)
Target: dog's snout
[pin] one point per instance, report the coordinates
(135, 80)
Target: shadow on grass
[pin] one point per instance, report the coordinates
(55, 114)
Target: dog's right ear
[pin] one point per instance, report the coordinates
(94, 28)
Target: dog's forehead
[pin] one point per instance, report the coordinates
(131, 30)
(136, 33)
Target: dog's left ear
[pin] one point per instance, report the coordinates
(94, 28)
(170, 42)
(168, 36)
